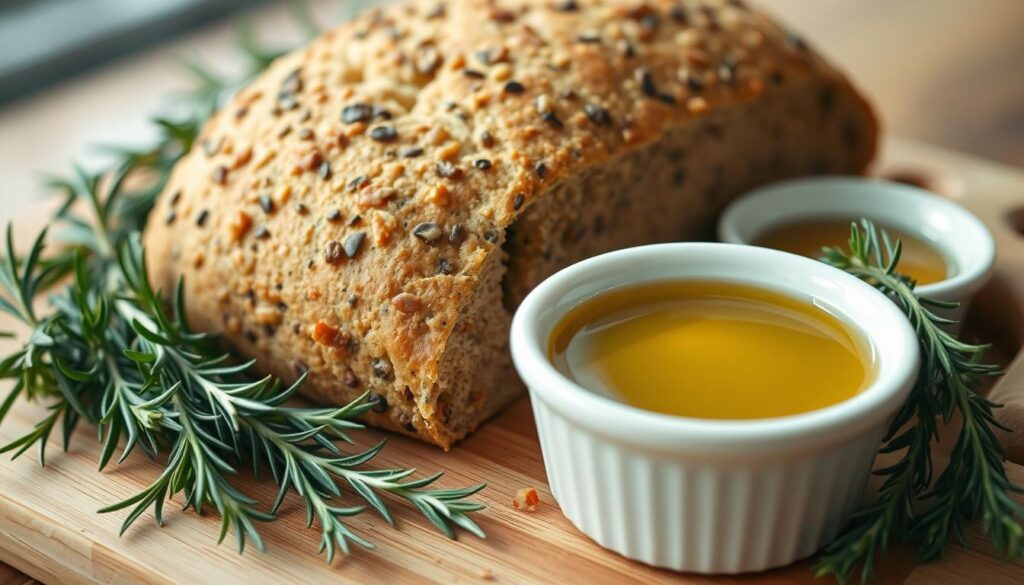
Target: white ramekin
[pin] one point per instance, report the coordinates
(961, 238)
(710, 496)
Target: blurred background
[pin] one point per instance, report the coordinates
(77, 73)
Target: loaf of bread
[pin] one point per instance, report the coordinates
(372, 208)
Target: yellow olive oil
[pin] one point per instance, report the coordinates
(918, 260)
(711, 350)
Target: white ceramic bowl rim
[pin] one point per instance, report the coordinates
(964, 238)
(889, 334)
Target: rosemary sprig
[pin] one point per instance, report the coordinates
(910, 505)
(109, 351)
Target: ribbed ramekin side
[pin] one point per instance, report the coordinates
(691, 514)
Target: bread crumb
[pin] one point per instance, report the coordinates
(526, 499)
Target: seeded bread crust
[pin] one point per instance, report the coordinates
(375, 205)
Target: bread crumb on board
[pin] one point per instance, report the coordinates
(526, 499)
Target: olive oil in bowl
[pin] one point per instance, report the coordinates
(711, 350)
(918, 260)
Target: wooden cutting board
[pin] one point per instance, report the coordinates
(49, 528)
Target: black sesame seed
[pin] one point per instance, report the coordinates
(356, 113)
(353, 243)
(412, 152)
(381, 368)
(202, 217)
(486, 139)
(694, 83)
(384, 133)
(427, 231)
(514, 87)
(473, 74)
(262, 233)
(627, 49)
(552, 119)
(667, 98)
(457, 234)
(482, 163)
(356, 220)
(409, 427)
(305, 134)
(324, 170)
(357, 182)
(301, 209)
(266, 203)
(647, 82)
(171, 216)
(567, 6)
(597, 114)
(333, 215)
(589, 37)
(541, 169)
(491, 235)
(444, 266)
(518, 201)
(175, 198)
(352, 300)
(380, 404)
(381, 113)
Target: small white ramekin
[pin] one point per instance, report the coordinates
(710, 496)
(960, 237)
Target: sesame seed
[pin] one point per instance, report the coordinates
(353, 243)
(305, 134)
(567, 6)
(357, 182)
(486, 139)
(381, 368)
(266, 203)
(444, 266)
(518, 201)
(171, 216)
(356, 113)
(334, 215)
(541, 169)
(202, 217)
(175, 198)
(427, 231)
(597, 114)
(491, 235)
(646, 82)
(514, 87)
(482, 163)
(457, 234)
(262, 233)
(412, 152)
(552, 119)
(333, 252)
(589, 37)
(380, 404)
(384, 133)
(301, 209)
(694, 83)
(473, 74)
(324, 170)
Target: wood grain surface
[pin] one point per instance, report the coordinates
(49, 528)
